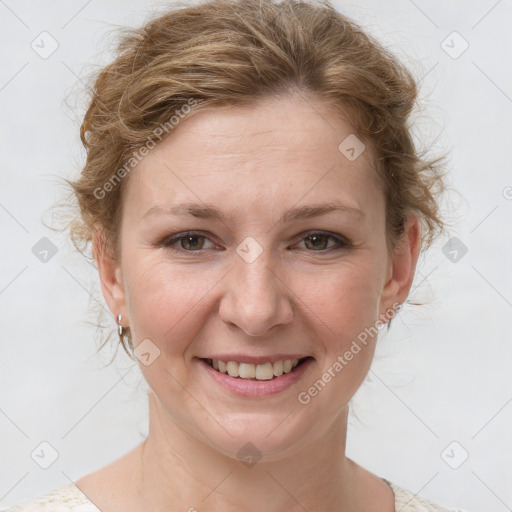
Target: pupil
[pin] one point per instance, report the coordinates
(316, 239)
(188, 239)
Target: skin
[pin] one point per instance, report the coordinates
(253, 163)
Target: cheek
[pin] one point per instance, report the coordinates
(340, 301)
(343, 310)
(164, 305)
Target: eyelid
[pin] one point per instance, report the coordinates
(341, 241)
(336, 236)
(169, 240)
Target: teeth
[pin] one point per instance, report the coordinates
(247, 371)
(265, 371)
(278, 368)
(232, 367)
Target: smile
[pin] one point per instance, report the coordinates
(254, 377)
(263, 371)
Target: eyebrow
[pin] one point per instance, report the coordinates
(205, 211)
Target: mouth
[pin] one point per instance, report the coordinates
(256, 372)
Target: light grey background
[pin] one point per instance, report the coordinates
(441, 375)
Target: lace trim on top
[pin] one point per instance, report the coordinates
(69, 498)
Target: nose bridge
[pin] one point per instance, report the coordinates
(256, 300)
(257, 277)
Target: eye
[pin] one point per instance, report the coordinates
(318, 241)
(188, 242)
(195, 242)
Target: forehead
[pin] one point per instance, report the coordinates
(276, 152)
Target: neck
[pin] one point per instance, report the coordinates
(179, 472)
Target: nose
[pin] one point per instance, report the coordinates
(256, 298)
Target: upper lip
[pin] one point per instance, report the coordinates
(242, 358)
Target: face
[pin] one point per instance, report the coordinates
(279, 254)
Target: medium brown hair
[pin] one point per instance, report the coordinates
(237, 52)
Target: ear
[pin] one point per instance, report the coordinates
(110, 277)
(402, 267)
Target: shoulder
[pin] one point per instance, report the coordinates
(407, 501)
(67, 498)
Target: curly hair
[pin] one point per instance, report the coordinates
(237, 52)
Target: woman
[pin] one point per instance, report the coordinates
(256, 209)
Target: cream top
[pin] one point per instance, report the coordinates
(69, 498)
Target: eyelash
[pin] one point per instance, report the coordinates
(168, 242)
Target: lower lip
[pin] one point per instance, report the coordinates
(257, 388)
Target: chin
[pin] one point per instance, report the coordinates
(264, 435)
